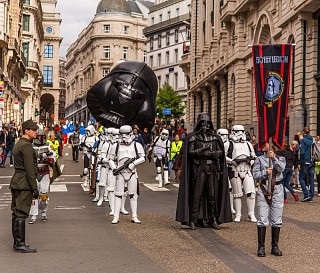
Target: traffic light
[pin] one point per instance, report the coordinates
(158, 111)
(36, 112)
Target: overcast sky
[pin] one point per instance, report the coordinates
(75, 15)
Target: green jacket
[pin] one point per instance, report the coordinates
(25, 164)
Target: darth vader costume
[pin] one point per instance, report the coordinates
(203, 197)
(126, 96)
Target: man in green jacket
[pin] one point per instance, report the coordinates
(23, 184)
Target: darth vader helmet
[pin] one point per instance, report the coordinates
(126, 96)
(204, 123)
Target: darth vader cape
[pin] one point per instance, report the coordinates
(222, 198)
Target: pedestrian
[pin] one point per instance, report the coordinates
(53, 142)
(306, 166)
(203, 198)
(75, 143)
(269, 209)
(57, 131)
(23, 185)
(147, 139)
(295, 176)
(7, 141)
(316, 158)
(137, 136)
(176, 146)
(288, 153)
(65, 131)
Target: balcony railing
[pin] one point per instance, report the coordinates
(227, 10)
(33, 65)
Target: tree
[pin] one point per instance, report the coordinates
(168, 98)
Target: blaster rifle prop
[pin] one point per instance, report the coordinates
(124, 166)
(93, 175)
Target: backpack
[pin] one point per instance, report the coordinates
(316, 151)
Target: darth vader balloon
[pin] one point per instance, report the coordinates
(126, 96)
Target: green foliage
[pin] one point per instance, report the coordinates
(168, 98)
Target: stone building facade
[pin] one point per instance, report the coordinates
(219, 64)
(27, 28)
(115, 33)
(168, 37)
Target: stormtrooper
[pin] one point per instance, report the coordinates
(124, 157)
(225, 138)
(241, 156)
(88, 158)
(161, 151)
(46, 160)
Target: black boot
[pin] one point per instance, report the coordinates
(215, 224)
(275, 239)
(261, 239)
(13, 225)
(19, 237)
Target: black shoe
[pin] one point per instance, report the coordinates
(307, 199)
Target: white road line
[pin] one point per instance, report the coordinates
(66, 154)
(66, 182)
(58, 188)
(176, 185)
(154, 187)
(0, 187)
(6, 176)
(61, 168)
(5, 185)
(70, 175)
(84, 188)
(4, 205)
(7, 193)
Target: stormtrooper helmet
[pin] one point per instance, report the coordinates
(125, 134)
(109, 133)
(238, 134)
(90, 131)
(164, 134)
(115, 135)
(224, 134)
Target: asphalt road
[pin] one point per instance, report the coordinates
(79, 236)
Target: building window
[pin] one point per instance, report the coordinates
(152, 21)
(167, 78)
(145, 56)
(26, 22)
(47, 75)
(160, 18)
(106, 28)
(176, 56)
(125, 53)
(48, 51)
(159, 41)
(177, 11)
(159, 81)
(175, 81)
(159, 60)
(25, 50)
(81, 85)
(105, 72)
(106, 52)
(176, 35)
(167, 57)
(126, 29)
(168, 37)
(26, 2)
(151, 61)
(169, 15)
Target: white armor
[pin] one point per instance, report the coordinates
(225, 138)
(161, 150)
(46, 159)
(88, 145)
(242, 158)
(122, 152)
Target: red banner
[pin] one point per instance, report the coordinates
(272, 69)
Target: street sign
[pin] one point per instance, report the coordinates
(166, 111)
(1, 88)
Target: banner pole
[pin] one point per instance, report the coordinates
(270, 165)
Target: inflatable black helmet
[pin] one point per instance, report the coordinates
(203, 122)
(126, 96)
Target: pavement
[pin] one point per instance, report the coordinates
(79, 236)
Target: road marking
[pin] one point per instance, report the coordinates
(176, 185)
(6, 176)
(0, 187)
(66, 182)
(84, 188)
(58, 188)
(5, 185)
(7, 193)
(66, 154)
(5, 199)
(70, 175)
(63, 207)
(61, 168)
(154, 187)
(4, 205)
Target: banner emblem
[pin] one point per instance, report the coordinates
(274, 88)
